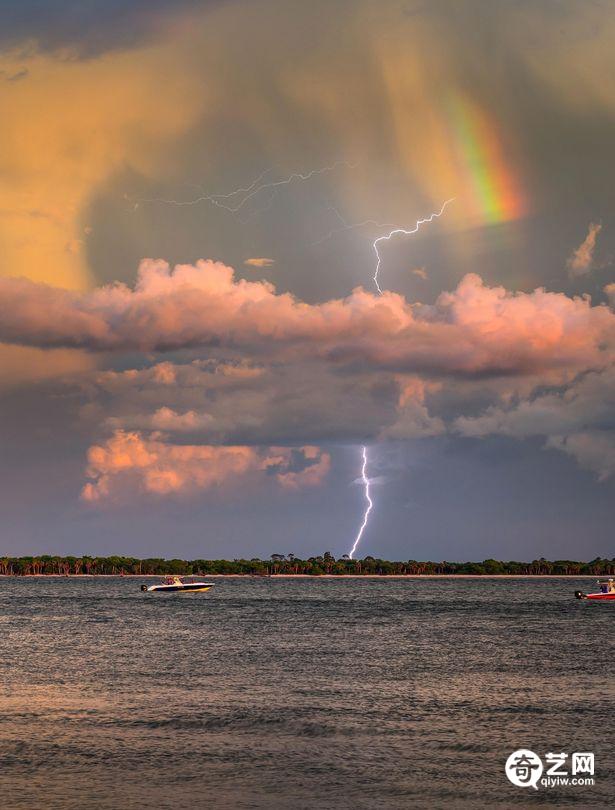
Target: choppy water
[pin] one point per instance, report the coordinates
(319, 693)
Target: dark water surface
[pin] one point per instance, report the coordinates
(317, 693)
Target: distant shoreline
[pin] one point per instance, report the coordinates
(307, 576)
(292, 567)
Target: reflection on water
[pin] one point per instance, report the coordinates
(276, 693)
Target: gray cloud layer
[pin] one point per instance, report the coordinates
(478, 362)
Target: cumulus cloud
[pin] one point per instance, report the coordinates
(169, 420)
(420, 272)
(218, 401)
(305, 467)
(199, 375)
(300, 403)
(473, 330)
(577, 419)
(582, 259)
(588, 400)
(349, 368)
(260, 262)
(595, 451)
(413, 418)
(129, 463)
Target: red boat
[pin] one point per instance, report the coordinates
(605, 594)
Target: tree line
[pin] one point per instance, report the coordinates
(290, 564)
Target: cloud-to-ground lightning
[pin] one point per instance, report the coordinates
(396, 231)
(368, 499)
(375, 243)
(234, 201)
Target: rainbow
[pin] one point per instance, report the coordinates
(491, 187)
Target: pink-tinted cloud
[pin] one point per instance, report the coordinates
(198, 374)
(413, 418)
(472, 330)
(260, 262)
(166, 419)
(129, 463)
(582, 259)
(164, 373)
(308, 468)
(420, 272)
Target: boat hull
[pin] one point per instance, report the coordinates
(596, 597)
(191, 587)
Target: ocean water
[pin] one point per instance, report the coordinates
(307, 693)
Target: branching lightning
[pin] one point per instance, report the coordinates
(348, 226)
(369, 501)
(234, 201)
(375, 243)
(397, 231)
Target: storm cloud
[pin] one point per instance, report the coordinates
(234, 408)
(87, 28)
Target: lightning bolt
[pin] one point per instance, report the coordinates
(234, 201)
(397, 231)
(346, 226)
(369, 501)
(375, 243)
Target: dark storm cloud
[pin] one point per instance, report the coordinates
(512, 389)
(86, 28)
(218, 402)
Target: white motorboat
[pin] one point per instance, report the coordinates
(173, 584)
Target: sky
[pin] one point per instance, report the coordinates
(240, 240)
